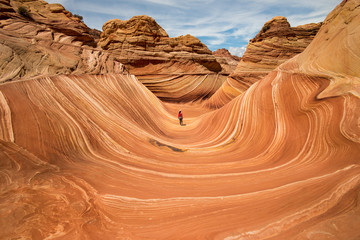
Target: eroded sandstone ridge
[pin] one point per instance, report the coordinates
(175, 69)
(99, 156)
(41, 39)
(226, 59)
(273, 45)
(45, 40)
(141, 40)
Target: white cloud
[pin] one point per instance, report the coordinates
(313, 17)
(227, 22)
(172, 3)
(238, 51)
(62, 2)
(180, 4)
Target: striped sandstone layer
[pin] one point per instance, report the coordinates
(101, 157)
(48, 41)
(174, 69)
(273, 45)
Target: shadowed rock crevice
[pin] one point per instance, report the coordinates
(159, 144)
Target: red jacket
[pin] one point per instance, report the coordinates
(180, 115)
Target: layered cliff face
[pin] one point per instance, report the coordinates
(144, 34)
(56, 17)
(273, 45)
(169, 67)
(40, 39)
(228, 61)
(101, 157)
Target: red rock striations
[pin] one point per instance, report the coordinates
(101, 157)
(46, 40)
(228, 61)
(175, 69)
(223, 52)
(273, 45)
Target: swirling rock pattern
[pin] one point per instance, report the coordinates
(273, 45)
(50, 41)
(174, 69)
(101, 157)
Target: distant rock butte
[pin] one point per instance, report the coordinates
(144, 34)
(273, 45)
(169, 67)
(276, 43)
(226, 59)
(223, 52)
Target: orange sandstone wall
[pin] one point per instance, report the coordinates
(273, 45)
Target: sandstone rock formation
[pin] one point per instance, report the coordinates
(101, 157)
(175, 69)
(142, 35)
(223, 52)
(227, 61)
(48, 41)
(272, 46)
(55, 17)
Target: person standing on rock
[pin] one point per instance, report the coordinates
(180, 117)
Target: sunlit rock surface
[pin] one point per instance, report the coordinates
(226, 59)
(101, 157)
(49, 41)
(174, 69)
(273, 45)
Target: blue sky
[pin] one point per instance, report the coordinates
(217, 23)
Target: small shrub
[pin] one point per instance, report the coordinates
(78, 16)
(23, 12)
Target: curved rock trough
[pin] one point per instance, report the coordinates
(99, 156)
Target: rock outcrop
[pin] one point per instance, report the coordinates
(223, 52)
(143, 33)
(141, 39)
(273, 45)
(169, 67)
(55, 17)
(227, 61)
(40, 39)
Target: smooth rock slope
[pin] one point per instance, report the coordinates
(276, 43)
(93, 156)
